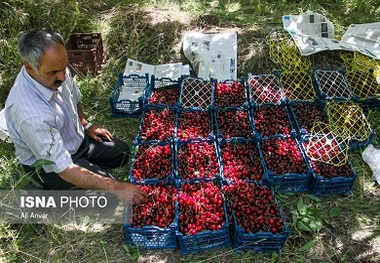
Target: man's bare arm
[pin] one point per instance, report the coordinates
(82, 117)
(85, 179)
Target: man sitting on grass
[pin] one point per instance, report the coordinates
(46, 122)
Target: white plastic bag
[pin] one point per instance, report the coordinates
(371, 155)
(4, 135)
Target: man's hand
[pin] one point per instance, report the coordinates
(130, 193)
(99, 133)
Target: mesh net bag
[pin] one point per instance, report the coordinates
(348, 58)
(348, 120)
(332, 85)
(325, 146)
(265, 88)
(363, 84)
(363, 61)
(360, 62)
(196, 93)
(284, 52)
(297, 86)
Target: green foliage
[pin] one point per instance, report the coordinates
(12, 174)
(308, 217)
(334, 212)
(132, 252)
(307, 246)
(9, 66)
(373, 117)
(312, 215)
(8, 244)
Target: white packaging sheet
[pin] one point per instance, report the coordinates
(212, 55)
(313, 32)
(172, 70)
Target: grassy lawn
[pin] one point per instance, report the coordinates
(151, 31)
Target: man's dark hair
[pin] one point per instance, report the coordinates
(33, 44)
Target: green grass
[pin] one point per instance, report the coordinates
(151, 31)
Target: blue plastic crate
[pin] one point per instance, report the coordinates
(199, 116)
(367, 108)
(161, 128)
(177, 149)
(370, 104)
(254, 145)
(356, 144)
(331, 85)
(291, 182)
(239, 99)
(269, 115)
(207, 239)
(150, 167)
(150, 236)
(321, 186)
(261, 241)
(221, 132)
(162, 92)
(359, 131)
(302, 122)
(337, 159)
(127, 98)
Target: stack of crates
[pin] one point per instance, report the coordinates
(85, 53)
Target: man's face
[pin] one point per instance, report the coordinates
(51, 73)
